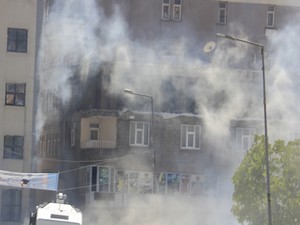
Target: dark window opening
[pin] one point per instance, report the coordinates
(17, 40)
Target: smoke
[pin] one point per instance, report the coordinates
(149, 210)
(282, 80)
(229, 87)
(72, 38)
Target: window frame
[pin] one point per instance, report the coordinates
(224, 10)
(241, 137)
(271, 14)
(133, 182)
(14, 95)
(10, 149)
(17, 37)
(11, 209)
(96, 179)
(175, 7)
(186, 135)
(94, 127)
(73, 134)
(173, 181)
(166, 4)
(136, 132)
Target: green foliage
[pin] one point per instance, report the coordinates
(250, 193)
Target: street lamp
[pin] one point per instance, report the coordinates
(265, 115)
(129, 91)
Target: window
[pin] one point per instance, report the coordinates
(50, 102)
(145, 182)
(102, 179)
(104, 176)
(166, 9)
(271, 16)
(244, 138)
(160, 183)
(15, 94)
(211, 185)
(17, 40)
(13, 147)
(139, 133)
(94, 131)
(56, 144)
(173, 183)
(41, 145)
(222, 15)
(197, 185)
(52, 144)
(133, 182)
(73, 129)
(190, 136)
(176, 10)
(11, 205)
(185, 184)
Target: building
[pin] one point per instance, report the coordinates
(18, 54)
(78, 58)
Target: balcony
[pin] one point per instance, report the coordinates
(98, 144)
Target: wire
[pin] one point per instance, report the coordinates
(86, 161)
(99, 162)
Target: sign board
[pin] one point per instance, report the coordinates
(42, 181)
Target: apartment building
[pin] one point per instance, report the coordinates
(95, 127)
(105, 144)
(17, 60)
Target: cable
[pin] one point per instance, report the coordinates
(100, 162)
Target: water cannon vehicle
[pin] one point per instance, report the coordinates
(56, 213)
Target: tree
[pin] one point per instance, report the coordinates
(249, 180)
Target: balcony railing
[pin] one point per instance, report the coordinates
(100, 144)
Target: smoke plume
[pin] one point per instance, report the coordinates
(226, 88)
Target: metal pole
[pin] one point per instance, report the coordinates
(266, 139)
(265, 118)
(153, 143)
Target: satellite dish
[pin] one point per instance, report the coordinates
(209, 46)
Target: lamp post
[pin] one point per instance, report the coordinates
(129, 91)
(265, 115)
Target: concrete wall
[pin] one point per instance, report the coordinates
(18, 68)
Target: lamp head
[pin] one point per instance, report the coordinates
(226, 36)
(128, 91)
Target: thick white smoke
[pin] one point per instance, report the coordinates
(283, 80)
(75, 33)
(149, 210)
(220, 92)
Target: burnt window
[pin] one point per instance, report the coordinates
(15, 94)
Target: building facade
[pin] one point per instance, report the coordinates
(18, 54)
(112, 152)
(66, 64)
